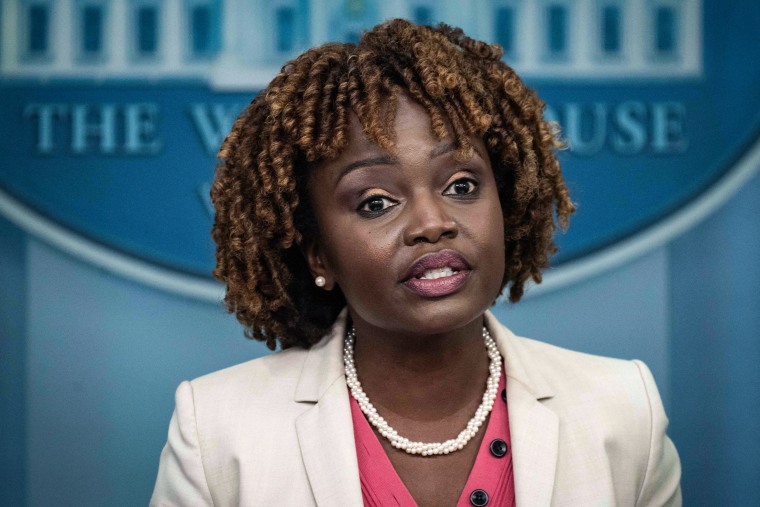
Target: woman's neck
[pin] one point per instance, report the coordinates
(424, 378)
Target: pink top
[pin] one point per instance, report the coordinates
(490, 481)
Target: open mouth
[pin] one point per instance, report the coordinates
(438, 274)
(433, 274)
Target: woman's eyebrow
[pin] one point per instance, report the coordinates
(439, 150)
(367, 162)
(443, 149)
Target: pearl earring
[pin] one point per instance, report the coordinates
(320, 281)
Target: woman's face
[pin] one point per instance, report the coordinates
(412, 237)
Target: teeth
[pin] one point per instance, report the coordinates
(432, 274)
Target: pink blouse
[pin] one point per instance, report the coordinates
(490, 481)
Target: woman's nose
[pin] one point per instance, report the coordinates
(428, 221)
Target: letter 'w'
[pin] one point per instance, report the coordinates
(213, 122)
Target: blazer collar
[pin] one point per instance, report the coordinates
(534, 428)
(324, 363)
(325, 431)
(519, 363)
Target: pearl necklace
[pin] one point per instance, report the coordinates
(424, 448)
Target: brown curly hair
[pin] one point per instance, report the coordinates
(302, 118)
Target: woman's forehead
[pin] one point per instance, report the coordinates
(412, 129)
(411, 122)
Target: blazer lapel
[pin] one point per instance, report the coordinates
(325, 431)
(534, 431)
(534, 428)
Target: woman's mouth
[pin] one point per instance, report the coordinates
(438, 274)
(432, 274)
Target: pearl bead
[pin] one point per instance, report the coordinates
(424, 448)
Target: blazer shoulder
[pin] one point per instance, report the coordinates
(609, 409)
(616, 393)
(569, 368)
(265, 375)
(228, 427)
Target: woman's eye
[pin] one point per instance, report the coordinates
(463, 186)
(375, 205)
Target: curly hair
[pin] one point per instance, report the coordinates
(302, 119)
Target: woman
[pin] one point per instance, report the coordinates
(372, 203)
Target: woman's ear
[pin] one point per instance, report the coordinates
(314, 255)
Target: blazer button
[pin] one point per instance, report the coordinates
(504, 394)
(479, 498)
(498, 448)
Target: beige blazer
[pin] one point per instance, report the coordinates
(586, 431)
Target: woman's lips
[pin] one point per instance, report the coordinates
(438, 274)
